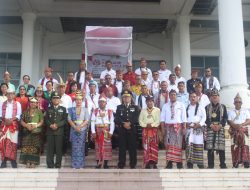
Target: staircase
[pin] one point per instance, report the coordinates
(89, 178)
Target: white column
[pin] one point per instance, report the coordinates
(184, 41)
(233, 75)
(27, 43)
(176, 48)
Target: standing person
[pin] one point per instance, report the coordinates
(143, 66)
(149, 120)
(127, 86)
(137, 87)
(162, 96)
(102, 128)
(93, 96)
(72, 90)
(182, 96)
(203, 99)
(119, 82)
(108, 71)
(6, 79)
(42, 102)
(108, 83)
(196, 117)
(47, 93)
(191, 82)
(164, 72)
(130, 75)
(209, 81)
(173, 125)
(22, 98)
(238, 119)
(55, 120)
(70, 79)
(145, 80)
(3, 92)
(126, 119)
(141, 99)
(78, 119)
(112, 101)
(26, 83)
(10, 113)
(89, 79)
(80, 74)
(179, 78)
(32, 123)
(155, 83)
(216, 121)
(47, 77)
(172, 83)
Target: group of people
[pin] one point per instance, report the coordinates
(129, 110)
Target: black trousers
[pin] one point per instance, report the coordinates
(210, 157)
(127, 140)
(54, 145)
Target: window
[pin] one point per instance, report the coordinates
(62, 67)
(200, 63)
(248, 70)
(11, 62)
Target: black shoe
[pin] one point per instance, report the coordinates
(223, 167)
(147, 166)
(189, 165)
(169, 165)
(179, 165)
(132, 167)
(200, 166)
(58, 167)
(210, 167)
(246, 165)
(4, 164)
(13, 164)
(154, 166)
(106, 164)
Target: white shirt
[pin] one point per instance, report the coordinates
(138, 72)
(85, 86)
(155, 86)
(216, 83)
(173, 87)
(112, 73)
(143, 99)
(45, 81)
(200, 117)
(9, 109)
(119, 85)
(203, 100)
(93, 101)
(112, 103)
(179, 79)
(179, 113)
(146, 82)
(96, 119)
(66, 101)
(243, 116)
(164, 75)
(82, 77)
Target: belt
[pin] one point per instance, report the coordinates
(102, 125)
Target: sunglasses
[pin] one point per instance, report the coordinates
(238, 102)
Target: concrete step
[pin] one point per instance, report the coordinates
(132, 179)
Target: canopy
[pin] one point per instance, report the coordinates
(108, 41)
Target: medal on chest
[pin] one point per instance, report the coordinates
(214, 115)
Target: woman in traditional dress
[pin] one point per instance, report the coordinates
(32, 122)
(42, 102)
(22, 98)
(78, 118)
(3, 92)
(73, 90)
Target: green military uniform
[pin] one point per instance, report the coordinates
(55, 115)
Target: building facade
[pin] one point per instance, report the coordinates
(192, 33)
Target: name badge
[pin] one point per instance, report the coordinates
(132, 109)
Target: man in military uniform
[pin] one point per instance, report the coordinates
(55, 120)
(126, 118)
